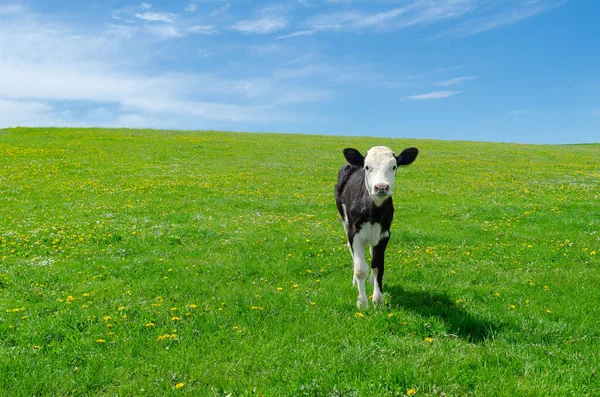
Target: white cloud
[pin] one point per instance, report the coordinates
(381, 18)
(11, 8)
(156, 16)
(221, 10)
(434, 95)
(594, 112)
(204, 53)
(164, 31)
(65, 77)
(298, 34)
(455, 81)
(493, 15)
(466, 16)
(268, 24)
(415, 12)
(23, 112)
(190, 8)
(202, 29)
(145, 6)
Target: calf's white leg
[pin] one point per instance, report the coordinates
(377, 294)
(361, 269)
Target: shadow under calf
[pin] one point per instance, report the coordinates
(457, 320)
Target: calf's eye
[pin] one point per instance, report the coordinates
(367, 168)
(394, 168)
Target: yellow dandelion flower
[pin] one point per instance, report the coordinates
(390, 315)
(546, 288)
(149, 325)
(279, 289)
(429, 340)
(121, 308)
(107, 318)
(100, 341)
(512, 306)
(359, 314)
(179, 385)
(548, 311)
(175, 318)
(192, 306)
(411, 392)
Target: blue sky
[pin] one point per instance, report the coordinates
(506, 70)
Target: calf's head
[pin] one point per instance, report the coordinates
(380, 165)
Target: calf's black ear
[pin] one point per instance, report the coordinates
(354, 157)
(407, 156)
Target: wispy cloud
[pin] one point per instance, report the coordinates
(465, 17)
(221, 10)
(190, 8)
(202, 29)
(47, 87)
(164, 31)
(493, 15)
(263, 25)
(10, 8)
(455, 81)
(434, 95)
(156, 16)
(298, 34)
(414, 13)
(594, 112)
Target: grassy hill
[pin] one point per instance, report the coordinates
(144, 262)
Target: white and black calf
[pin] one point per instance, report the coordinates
(363, 195)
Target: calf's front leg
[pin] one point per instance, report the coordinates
(377, 267)
(361, 268)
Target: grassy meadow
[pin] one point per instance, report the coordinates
(146, 262)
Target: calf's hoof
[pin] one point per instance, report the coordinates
(362, 303)
(378, 299)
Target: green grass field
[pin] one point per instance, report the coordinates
(141, 262)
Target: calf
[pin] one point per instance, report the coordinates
(363, 196)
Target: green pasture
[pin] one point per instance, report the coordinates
(203, 263)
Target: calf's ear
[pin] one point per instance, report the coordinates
(407, 156)
(354, 157)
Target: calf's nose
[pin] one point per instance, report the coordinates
(381, 188)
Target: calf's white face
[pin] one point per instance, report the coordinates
(380, 165)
